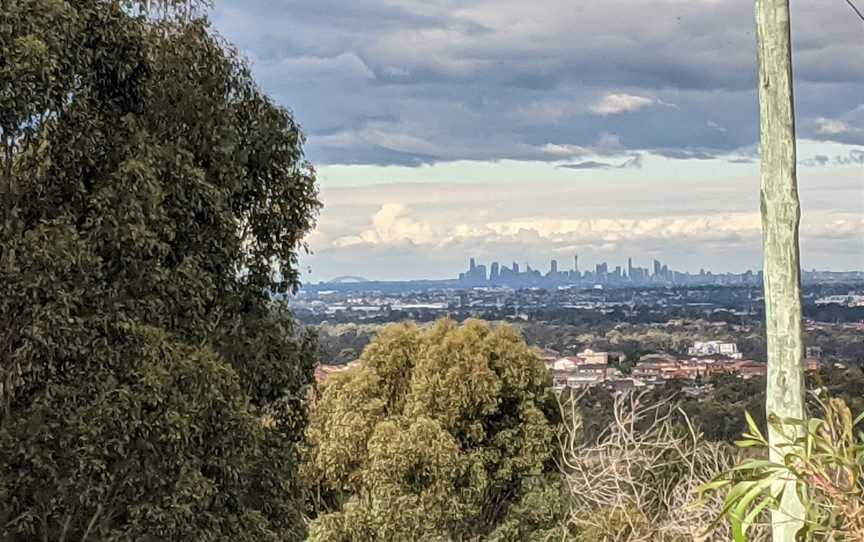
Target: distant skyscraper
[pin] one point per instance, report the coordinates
(576, 263)
(494, 272)
(630, 267)
(516, 268)
(657, 268)
(601, 270)
(554, 267)
(472, 266)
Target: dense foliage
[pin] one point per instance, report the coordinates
(152, 197)
(147, 440)
(440, 434)
(838, 343)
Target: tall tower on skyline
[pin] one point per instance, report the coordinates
(553, 268)
(576, 263)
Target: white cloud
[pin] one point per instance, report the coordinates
(832, 126)
(604, 145)
(391, 225)
(564, 151)
(712, 124)
(614, 104)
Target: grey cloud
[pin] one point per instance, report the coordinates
(632, 163)
(461, 75)
(685, 154)
(590, 164)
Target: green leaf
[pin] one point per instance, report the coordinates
(760, 464)
(712, 486)
(753, 428)
(748, 443)
(738, 517)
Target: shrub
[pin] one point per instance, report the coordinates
(441, 434)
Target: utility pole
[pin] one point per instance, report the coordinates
(781, 261)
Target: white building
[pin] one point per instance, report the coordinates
(567, 364)
(715, 348)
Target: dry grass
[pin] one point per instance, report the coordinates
(638, 482)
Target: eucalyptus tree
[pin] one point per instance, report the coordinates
(439, 434)
(153, 198)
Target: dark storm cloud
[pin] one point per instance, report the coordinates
(413, 82)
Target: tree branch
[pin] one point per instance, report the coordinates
(66, 527)
(92, 522)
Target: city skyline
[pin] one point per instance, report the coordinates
(516, 273)
(602, 274)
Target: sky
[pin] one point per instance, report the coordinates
(524, 131)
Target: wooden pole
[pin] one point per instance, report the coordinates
(781, 261)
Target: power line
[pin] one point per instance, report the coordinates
(857, 12)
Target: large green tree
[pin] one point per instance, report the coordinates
(148, 440)
(152, 200)
(440, 434)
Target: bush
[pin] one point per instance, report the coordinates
(441, 434)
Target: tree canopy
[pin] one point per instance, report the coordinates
(150, 440)
(152, 200)
(439, 434)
